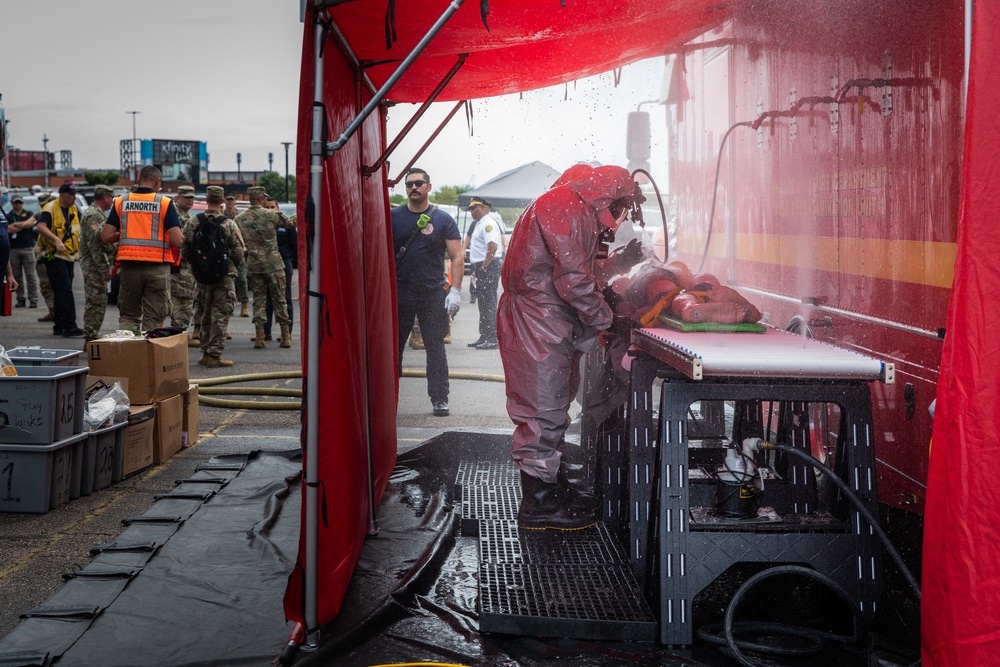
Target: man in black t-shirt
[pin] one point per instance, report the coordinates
(422, 235)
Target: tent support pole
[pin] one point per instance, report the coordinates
(453, 6)
(312, 355)
(427, 143)
(368, 171)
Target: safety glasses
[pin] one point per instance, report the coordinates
(415, 184)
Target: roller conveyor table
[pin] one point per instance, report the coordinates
(773, 353)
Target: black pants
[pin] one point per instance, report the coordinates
(487, 283)
(61, 280)
(288, 300)
(428, 310)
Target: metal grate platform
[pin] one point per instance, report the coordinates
(501, 542)
(563, 600)
(486, 473)
(488, 503)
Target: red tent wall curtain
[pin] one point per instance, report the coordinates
(358, 329)
(961, 571)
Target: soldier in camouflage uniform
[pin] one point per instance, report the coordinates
(182, 282)
(265, 267)
(43, 276)
(218, 298)
(96, 260)
(242, 283)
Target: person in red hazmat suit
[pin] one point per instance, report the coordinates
(551, 311)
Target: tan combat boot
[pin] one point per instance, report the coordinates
(218, 362)
(258, 342)
(243, 309)
(193, 340)
(286, 336)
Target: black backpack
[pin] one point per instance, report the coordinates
(209, 254)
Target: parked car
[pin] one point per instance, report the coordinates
(31, 204)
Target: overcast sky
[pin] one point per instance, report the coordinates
(227, 72)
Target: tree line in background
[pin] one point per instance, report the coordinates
(448, 195)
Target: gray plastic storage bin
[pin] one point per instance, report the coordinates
(33, 356)
(36, 478)
(107, 448)
(42, 405)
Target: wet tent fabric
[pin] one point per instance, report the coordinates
(515, 188)
(357, 348)
(529, 44)
(961, 573)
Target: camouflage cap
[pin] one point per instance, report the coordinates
(256, 191)
(103, 190)
(215, 192)
(185, 191)
(230, 195)
(44, 198)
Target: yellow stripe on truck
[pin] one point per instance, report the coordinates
(919, 262)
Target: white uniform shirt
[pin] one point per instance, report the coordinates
(488, 230)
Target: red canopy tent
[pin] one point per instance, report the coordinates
(352, 50)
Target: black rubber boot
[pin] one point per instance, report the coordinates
(576, 490)
(545, 505)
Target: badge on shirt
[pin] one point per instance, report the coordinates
(489, 228)
(428, 229)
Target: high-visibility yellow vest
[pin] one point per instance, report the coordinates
(67, 230)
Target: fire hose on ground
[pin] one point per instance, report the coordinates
(207, 388)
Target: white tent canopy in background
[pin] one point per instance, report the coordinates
(515, 188)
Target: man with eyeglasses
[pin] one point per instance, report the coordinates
(422, 234)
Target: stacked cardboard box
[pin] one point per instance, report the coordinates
(157, 373)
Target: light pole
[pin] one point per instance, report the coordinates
(239, 159)
(286, 144)
(135, 163)
(45, 157)
(270, 161)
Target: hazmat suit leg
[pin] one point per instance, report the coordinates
(538, 346)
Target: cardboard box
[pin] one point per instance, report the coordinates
(156, 368)
(189, 431)
(169, 423)
(137, 451)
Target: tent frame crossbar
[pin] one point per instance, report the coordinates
(416, 156)
(368, 171)
(380, 95)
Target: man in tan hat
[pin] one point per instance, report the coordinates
(265, 268)
(218, 298)
(96, 260)
(182, 282)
